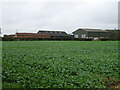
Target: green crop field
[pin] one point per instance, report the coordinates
(59, 64)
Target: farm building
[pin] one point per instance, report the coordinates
(55, 33)
(91, 34)
(10, 36)
(28, 35)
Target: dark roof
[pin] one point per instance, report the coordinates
(19, 34)
(92, 30)
(12, 35)
(54, 33)
(36, 35)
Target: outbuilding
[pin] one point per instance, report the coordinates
(54, 33)
(91, 34)
(28, 35)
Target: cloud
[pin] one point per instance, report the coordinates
(68, 16)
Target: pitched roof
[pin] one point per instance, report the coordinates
(54, 33)
(34, 35)
(12, 35)
(93, 30)
(50, 31)
(19, 34)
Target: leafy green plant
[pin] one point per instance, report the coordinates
(59, 64)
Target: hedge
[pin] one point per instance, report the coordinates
(48, 39)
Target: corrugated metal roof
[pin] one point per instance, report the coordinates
(54, 33)
(31, 34)
(93, 30)
(34, 35)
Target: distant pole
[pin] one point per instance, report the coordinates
(17, 31)
(0, 34)
(0, 31)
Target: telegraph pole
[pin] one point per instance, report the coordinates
(0, 35)
(17, 31)
(0, 32)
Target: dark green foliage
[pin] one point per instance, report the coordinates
(49, 39)
(114, 34)
(44, 39)
(59, 64)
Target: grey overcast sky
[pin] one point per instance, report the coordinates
(33, 15)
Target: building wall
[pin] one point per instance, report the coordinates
(28, 35)
(32, 35)
(98, 34)
(80, 33)
(87, 34)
